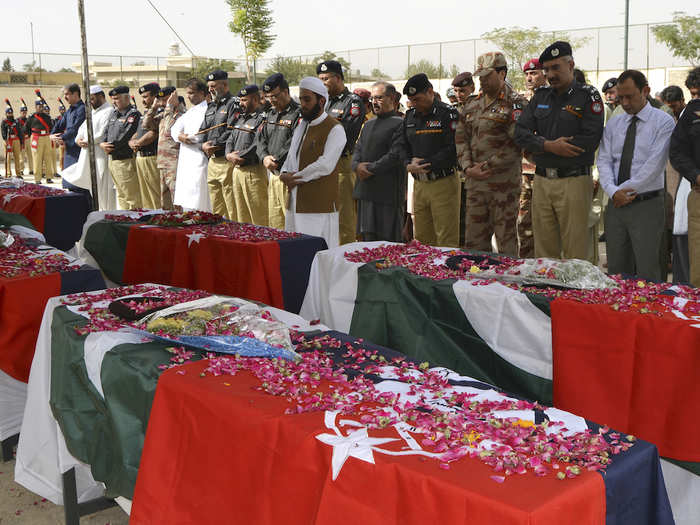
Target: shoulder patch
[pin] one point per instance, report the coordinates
(130, 119)
(597, 107)
(354, 110)
(516, 114)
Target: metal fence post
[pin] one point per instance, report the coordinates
(408, 66)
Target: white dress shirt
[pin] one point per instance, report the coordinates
(191, 190)
(651, 145)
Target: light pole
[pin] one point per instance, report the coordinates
(88, 108)
(627, 29)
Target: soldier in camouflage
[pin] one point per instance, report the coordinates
(534, 78)
(167, 109)
(490, 158)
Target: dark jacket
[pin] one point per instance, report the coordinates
(388, 180)
(684, 151)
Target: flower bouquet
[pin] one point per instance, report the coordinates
(220, 324)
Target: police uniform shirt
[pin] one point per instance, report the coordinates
(275, 135)
(225, 110)
(577, 113)
(12, 129)
(121, 126)
(430, 137)
(149, 149)
(242, 137)
(39, 123)
(348, 109)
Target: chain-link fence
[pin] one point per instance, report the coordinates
(599, 52)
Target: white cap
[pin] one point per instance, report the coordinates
(314, 84)
(95, 89)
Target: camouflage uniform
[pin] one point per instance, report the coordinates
(168, 151)
(485, 133)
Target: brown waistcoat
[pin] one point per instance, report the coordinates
(320, 195)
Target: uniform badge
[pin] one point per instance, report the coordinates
(243, 92)
(266, 87)
(597, 107)
(210, 77)
(324, 67)
(516, 114)
(130, 119)
(453, 125)
(555, 52)
(354, 110)
(411, 90)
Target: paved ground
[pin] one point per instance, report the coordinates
(20, 506)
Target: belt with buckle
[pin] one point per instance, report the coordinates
(425, 177)
(563, 173)
(146, 154)
(646, 195)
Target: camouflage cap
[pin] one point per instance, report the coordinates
(489, 62)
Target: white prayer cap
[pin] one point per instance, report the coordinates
(95, 89)
(314, 84)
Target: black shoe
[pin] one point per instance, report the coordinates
(49, 181)
(602, 237)
(31, 173)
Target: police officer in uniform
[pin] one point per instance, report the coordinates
(145, 144)
(12, 134)
(221, 113)
(274, 139)
(561, 127)
(249, 176)
(121, 126)
(348, 109)
(39, 126)
(426, 143)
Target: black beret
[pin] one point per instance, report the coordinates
(248, 90)
(8, 110)
(463, 79)
(217, 74)
(556, 50)
(273, 81)
(166, 91)
(39, 102)
(330, 66)
(119, 90)
(151, 87)
(23, 108)
(609, 83)
(416, 84)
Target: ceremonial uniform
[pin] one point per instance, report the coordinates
(221, 112)
(168, 149)
(485, 134)
(250, 177)
(26, 148)
(121, 127)
(274, 139)
(435, 194)
(348, 109)
(12, 134)
(39, 127)
(684, 154)
(563, 189)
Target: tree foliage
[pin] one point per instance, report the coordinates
(293, 69)
(7, 65)
(33, 67)
(203, 66)
(520, 44)
(252, 22)
(431, 70)
(682, 37)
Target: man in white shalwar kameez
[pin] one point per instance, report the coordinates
(312, 203)
(191, 190)
(78, 174)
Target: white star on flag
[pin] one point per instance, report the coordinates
(194, 237)
(356, 444)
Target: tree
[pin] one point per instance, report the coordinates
(431, 70)
(32, 67)
(682, 37)
(293, 69)
(66, 70)
(520, 44)
(203, 66)
(252, 21)
(7, 65)
(378, 74)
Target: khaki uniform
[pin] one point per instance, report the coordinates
(277, 195)
(436, 211)
(485, 134)
(147, 163)
(694, 235)
(39, 125)
(220, 184)
(250, 194)
(12, 135)
(127, 183)
(26, 147)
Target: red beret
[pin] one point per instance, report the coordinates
(362, 93)
(531, 64)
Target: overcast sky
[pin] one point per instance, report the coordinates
(131, 27)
